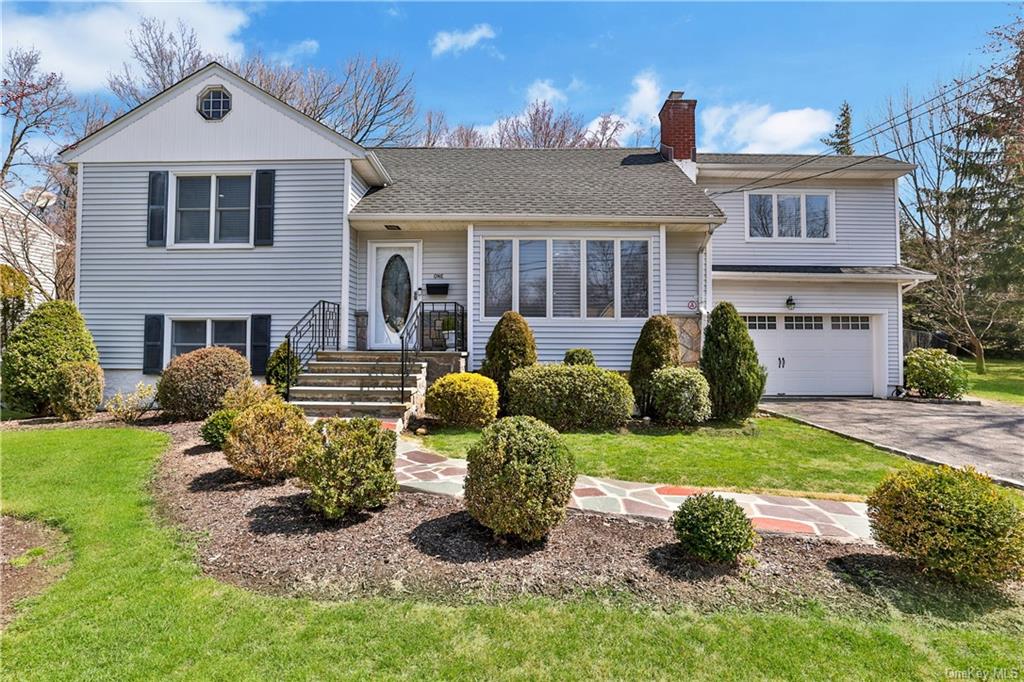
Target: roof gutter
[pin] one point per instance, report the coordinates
(378, 166)
(825, 277)
(537, 217)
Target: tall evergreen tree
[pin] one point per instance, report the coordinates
(841, 139)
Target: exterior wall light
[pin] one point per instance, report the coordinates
(790, 303)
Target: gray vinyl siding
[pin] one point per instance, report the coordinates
(611, 340)
(442, 253)
(821, 297)
(122, 279)
(681, 275)
(865, 229)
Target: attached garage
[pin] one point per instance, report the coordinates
(817, 354)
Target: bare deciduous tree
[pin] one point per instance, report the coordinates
(161, 57)
(34, 103)
(435, 129)
(466, 137)
(541, 127)
(605, 132)
(379, 103)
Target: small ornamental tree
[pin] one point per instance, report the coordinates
(656, 347)
(52, 334)
(510, 347)
(730, 364)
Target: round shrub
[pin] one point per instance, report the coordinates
(510, 346)
(951, 520)
(571, 397)
(265, 441)
(579, 356)
(194, 384)
(215, 429)
(520, 478)
(280, 365)
(934, 373)
(247, 394)
(353, 471)
(52, 334)
(679, 396)
(656, 347)
(729, 362)
(77, 390)
(463, 399)
(713, 528)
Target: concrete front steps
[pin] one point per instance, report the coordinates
(360, 384)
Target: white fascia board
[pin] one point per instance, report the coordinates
(822, 277)
(517, 218)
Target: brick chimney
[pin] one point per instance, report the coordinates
(679, 127)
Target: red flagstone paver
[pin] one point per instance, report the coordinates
(424, 457)
(834, 507)
(796, 513)
(833, 531)
(781, 525)
(676, 490)
(643, 509)
(453, 471)
(587, 492)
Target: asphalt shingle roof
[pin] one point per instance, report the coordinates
(602, 182)
(822, 163)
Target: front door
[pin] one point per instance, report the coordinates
(393, 285)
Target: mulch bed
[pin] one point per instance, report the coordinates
(262, 536)
(32, 557)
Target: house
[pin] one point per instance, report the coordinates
(216, 214)
(28, 245)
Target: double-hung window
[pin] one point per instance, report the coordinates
(791, 215)
(567, 278)
(213, 209)
(191, 334)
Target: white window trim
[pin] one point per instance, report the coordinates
(171, 318)
(803, 238)
(583, 276)
(172, 206)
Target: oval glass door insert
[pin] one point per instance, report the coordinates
(395, 293)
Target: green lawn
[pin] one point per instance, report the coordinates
(768, 454)
(1004, 381)
(135, 606)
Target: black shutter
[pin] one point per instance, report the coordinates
(264, 208)
(153, 345)
(156, 225)
(259, 343)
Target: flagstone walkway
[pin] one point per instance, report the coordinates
(420, 470)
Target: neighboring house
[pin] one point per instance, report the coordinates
(216, 214)
(29, 245)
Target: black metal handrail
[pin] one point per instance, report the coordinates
(318, 329)
(435, 326)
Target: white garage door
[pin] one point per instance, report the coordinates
(815, 354)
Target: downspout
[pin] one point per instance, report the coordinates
(704, 277)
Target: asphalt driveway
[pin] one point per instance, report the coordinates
(989, 437)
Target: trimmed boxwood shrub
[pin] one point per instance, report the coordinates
(579, 356)
(266, 440)
(215, 429)
(679, 396)
(713, 528)
(353, 471)
(519, 478)
(277, 370)
(571, 397)
(77, 390)
(463, 399)
(510, 346)
(656, 347)
(955, 521)
(729, 362)
(194, 384)
(934, 373)
(52, 334)
(247, 394)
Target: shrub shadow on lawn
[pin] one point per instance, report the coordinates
(458, 539)
(671, 560)
(901, 583)
(289, 515)
(224, 480)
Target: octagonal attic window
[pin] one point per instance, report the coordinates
(214, 104)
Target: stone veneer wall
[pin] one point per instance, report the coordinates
(688, 329)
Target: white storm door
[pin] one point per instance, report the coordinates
(392, 289)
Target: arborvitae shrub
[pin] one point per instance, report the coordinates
(280, 365)
(656, 347)
(510, 346)
(730, 364)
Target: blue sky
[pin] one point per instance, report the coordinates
(768, 77)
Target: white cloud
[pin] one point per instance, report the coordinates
(757, 129)
(545, 90)
(85, 43)
(577, 85)
(295, 51)
(645, 101)
(458, 42)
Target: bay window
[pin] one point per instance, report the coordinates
(790, 215)
(567, 278)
